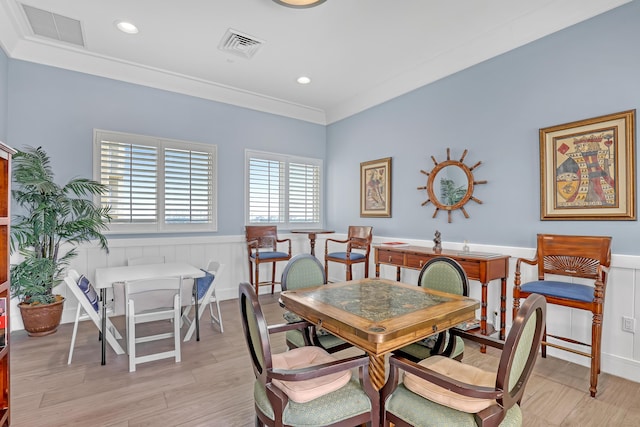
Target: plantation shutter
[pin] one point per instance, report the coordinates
(284, 190)
(304, 193)
(131, 173)
(266, 190)
(188, 186)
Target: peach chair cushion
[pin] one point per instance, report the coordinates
(458, 371)
(307, 390)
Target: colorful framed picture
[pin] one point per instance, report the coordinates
(587, 169)
(375, 188)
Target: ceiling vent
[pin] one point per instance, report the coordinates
(239, 44)
(54, 26)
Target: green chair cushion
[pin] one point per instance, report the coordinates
(328, 409)
(420, 412)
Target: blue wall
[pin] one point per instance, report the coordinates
(494, 110)
(59, 109)
(4, 66)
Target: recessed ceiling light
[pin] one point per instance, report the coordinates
(126, 27)
(304, 80)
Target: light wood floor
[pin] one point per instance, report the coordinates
(212, 386)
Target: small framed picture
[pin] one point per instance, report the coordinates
(375, 188)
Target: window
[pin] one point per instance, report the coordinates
(156, 184)
(283, 190)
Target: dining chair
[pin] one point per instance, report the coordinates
(151, 300)
(154, 259)
(442, 391)
(306, 385)
(446, 275)
(572, 272)
(205, 291)
(262, 248)
(89, 308)
(304, 271)
(358, 243)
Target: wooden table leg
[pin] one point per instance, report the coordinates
(483, 315)
(312, 240)
(503, 307)
(376, 371)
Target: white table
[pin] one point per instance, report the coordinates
(105, 277)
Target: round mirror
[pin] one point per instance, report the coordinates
(450, 185)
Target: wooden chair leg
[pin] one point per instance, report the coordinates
(543, 346)
(250, 272)
(273, 277)
(366, 269)
(596, 335)
(257, 283)
(326, 270)
(349, 272)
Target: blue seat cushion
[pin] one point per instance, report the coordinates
(87, 288)
(203, 283)
(270, 255)
(343, 255)
(572, 291)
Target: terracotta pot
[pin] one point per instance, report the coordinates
(40, 320)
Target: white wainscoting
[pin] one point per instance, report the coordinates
(620, 349)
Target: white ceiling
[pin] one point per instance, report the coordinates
(358, 53)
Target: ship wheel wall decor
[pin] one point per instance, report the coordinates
(450, 185)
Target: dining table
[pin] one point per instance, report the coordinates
(313, 234)
(105, 277)
(379, 315)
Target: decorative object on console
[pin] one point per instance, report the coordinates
(587, 169)
(437, 248)
(454, 186)
(375, 188)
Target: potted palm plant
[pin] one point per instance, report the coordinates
(52, 221)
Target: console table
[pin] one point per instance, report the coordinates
(481, 266)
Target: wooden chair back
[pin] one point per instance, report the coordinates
(575, 256)
(261, 237)
(360, 237)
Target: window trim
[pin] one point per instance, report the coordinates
(161, 143)
(287, 158)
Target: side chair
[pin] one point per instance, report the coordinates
(89, 308)
(572, 272)
(151, 300)
(357, 250)
(304, 271)
(305, 386)
(262, 248)
(205, 290)
(446, 275)
(440, 391)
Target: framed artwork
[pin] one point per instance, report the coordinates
(375, 188)
(587, 169)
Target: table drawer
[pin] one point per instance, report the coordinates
(416, 261)
(471, 268)
(390, 257)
